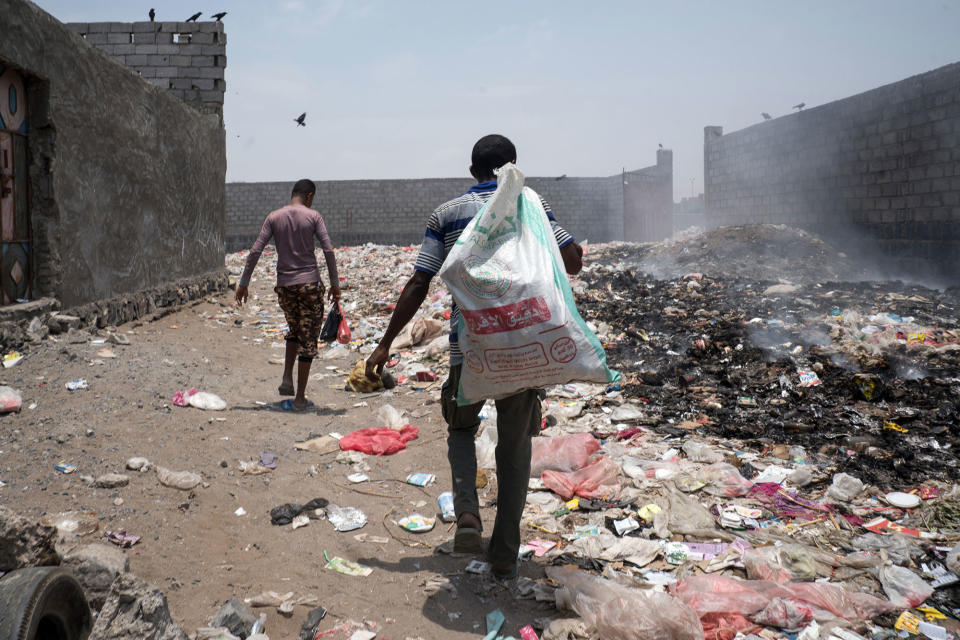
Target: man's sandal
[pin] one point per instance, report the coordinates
(467, 538)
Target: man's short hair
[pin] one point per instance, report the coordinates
(304, 188)
(492, 152)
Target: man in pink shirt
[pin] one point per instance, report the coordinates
(299, 289)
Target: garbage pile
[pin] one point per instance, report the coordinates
(779, 460)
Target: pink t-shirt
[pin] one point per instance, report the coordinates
(293, 229)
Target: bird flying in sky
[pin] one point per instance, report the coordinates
(300, 119)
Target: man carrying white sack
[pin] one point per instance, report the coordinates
(518, 415)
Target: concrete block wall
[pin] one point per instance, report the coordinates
(878, 171)
(186, 58)
(396, 211)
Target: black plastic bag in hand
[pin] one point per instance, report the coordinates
(329, 331)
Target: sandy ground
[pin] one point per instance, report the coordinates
(194, 547)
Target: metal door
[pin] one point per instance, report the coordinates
(16, 276)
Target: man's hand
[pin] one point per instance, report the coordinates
(376, 361)
(334, 293)
(242, 295)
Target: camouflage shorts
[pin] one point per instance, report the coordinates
(302, 305)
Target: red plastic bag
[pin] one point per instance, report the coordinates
(562, 453)
(343, 331)
(596, 480)
(379, 442)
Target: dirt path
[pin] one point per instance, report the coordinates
(194, 546)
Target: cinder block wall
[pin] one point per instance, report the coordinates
(878, 171)
(396, 211)
(187, 58)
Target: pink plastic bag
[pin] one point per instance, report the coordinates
(182, 398)
(719, 594)
(716, 594)
(562, 453)
(379, 442)
(596, 480)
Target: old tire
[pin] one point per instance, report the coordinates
(43, 603)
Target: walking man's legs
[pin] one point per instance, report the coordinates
(302, 306)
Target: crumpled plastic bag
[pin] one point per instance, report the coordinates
(390, 418)
(723, 479)
(844, 487)
(786, 563)
(903, 587)
(183, 480)
(718, 594)
(596, 480)
(285, 513)
(10, 400)
(785, 613)
(700, 452)
(379, 442)
(682, 515)
(207, 401)
(561, 453)
(346, 518)
(486, 447)
(616, 612)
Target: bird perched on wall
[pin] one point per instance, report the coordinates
(219, 16)
(561, 177)
(152, 14)
(660, 145)
(194, 17)
(799, 107)
(766, 116)
(300, 119)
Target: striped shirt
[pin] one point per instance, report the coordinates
(444, 228)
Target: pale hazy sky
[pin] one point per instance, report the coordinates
(397, 89)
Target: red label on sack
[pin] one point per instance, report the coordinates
(509, 317)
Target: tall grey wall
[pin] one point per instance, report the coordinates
(879, 170)
(396, 211)
(187, 58)
(126, 180)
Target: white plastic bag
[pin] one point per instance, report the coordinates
(519, 326)
(207, 401)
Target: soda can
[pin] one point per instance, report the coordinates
(445, 502)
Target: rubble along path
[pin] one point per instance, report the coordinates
(193, 545)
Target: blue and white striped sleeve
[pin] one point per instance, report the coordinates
(562, 235)
(432, 252)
